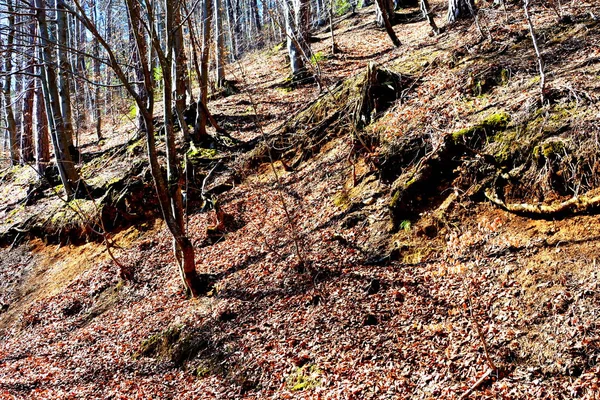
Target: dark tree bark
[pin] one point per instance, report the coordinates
(201, 117)
(28, 96)
(383, 9)
(64, 80)
(388, 24)
(42, 142)
(181, 76)
(66, 167)
(97, 77)
(11, 123)
(219, 67)
(460, 9)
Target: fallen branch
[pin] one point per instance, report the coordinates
(477, 384)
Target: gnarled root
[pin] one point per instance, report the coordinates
(575, 205)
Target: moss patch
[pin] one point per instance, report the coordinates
(196, 155)
(161, 343)
(493, 123)
(304, 378)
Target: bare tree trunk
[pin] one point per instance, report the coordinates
(384, 9)
(42, 143)
(28, 96)
(538, 54)
(108, 95)
(181, 76)
(97, 77)
(297, 64)
(219, 68)
(184, 251)
(303, 26)
(334, 48)
(68, 174)
(426, 9)
(64, 76)
(387, 23)
(459, 9)
(11, 124)
(201, 117)
(231, 22)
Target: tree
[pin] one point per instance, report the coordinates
(295, 36)
(11, 124)
(386, 22)
(64, 78)
(28, 96)
(201, 117)
(168, 187)
(219, 68)
(62, 152)
(426, 10)
(179, 65)
(42, 143)
(460, 9)
(384, 9)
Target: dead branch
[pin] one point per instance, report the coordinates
(477, 384)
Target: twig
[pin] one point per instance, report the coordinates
(480, 334)
(476, 384)
(540, 60)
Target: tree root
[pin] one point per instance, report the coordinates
(575, 205)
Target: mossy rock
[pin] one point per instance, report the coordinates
(518, 144)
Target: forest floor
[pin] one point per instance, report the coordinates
(358, 294)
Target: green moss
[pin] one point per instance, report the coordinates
(549, 149)
(505, 144)
(136, 147)
(535, 80)
(460, 134)
(504, 76)
(304, 378)
(496, 122)
(58, 216)
(161, 343)
(198, 154)
(275, 49)
(492, 123)
(317, 57)
(202, 371)
(405, 225)
(342, 199)
(395, 199)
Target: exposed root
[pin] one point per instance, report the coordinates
(575, 205)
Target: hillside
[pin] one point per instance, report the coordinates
(425, 226)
